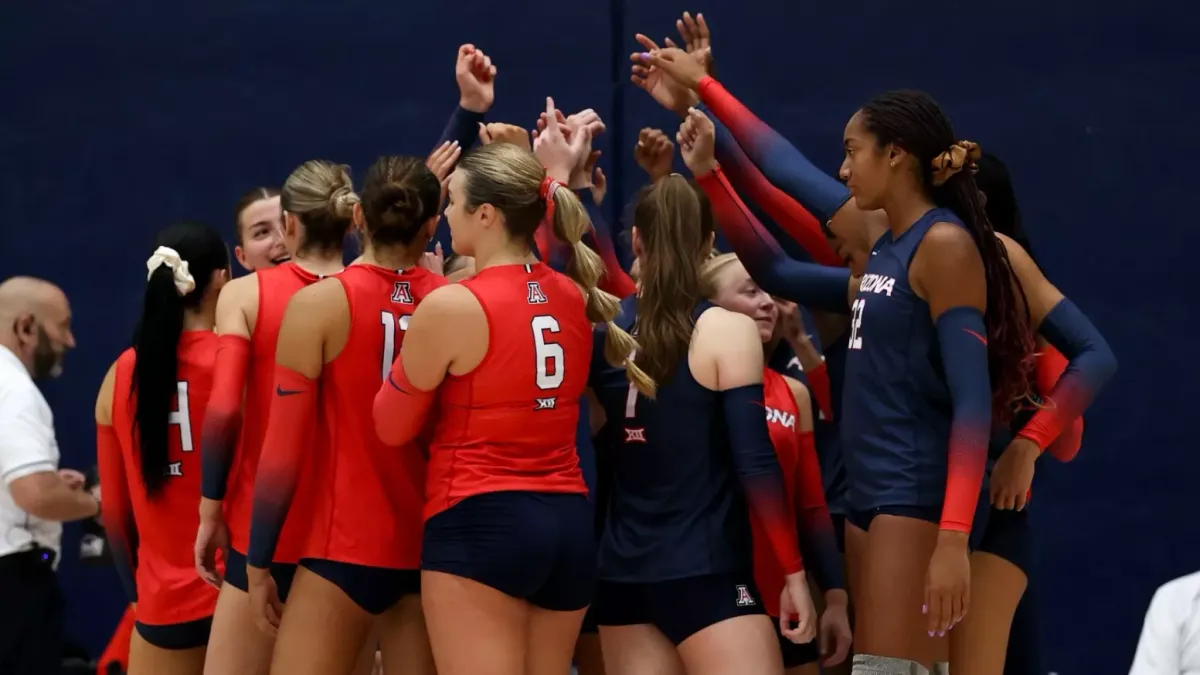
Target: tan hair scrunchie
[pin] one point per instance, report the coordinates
(963, 154)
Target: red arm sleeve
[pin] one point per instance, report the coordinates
(223, 417)
(290, 430)
(818, 385)
(400, 409)
(116, 507)
(818, 543)
(1051, 364)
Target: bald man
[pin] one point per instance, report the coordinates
(36, 497)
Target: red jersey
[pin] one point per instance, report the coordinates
(510, 423)
(168, 589)
(801, 480)
(368, 507)
(276, 286)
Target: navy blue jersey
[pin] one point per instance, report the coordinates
(676, 509)
(896, 407)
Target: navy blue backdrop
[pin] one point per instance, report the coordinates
(117, 118)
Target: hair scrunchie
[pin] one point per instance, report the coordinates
(163, 255)
(963, 154)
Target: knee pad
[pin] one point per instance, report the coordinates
(869, 664)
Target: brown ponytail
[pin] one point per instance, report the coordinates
(675, 229)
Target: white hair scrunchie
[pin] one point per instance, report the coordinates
(184, 283)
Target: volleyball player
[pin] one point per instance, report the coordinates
(910, 544)
(1001, 563)
(317, 202)
(148, 417)
(504, 357)
(677, 591)
(790, 424)
(258, 221)
(337, 341)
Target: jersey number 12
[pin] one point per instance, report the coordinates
(390, 323)
(856, 316)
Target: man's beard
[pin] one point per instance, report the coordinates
(47, 361)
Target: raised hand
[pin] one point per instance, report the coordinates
(697, 39)
(499, 132)
(476, 77)
(557, 154)
(697, 140)
(677, 64)
(587, 118)
(654, 152)
(599, 184)
(443, 158)
(668, 91)
(433, 260)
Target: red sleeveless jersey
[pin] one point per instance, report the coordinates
(169, 590)
(782, 423)
(510, 423)
(276, 286)
(368, 505)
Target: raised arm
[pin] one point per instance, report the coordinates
(787, 213)
(806, 283)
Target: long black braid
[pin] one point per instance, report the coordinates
(912, 121)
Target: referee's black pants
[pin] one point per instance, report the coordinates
(31, 615)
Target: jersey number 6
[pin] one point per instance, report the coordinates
(549, 355)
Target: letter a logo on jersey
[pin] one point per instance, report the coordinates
(536, 296)
(744, 599)
(402, 293)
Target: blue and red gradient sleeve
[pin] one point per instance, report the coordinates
(463, 126)
(818, 543)
(290, 430)
(808, 284)
(759, 473)
(1051, 365)
(116, 508)
(961, 337)
(600, 239)
(783, 165)
(401, 411)
(1091, 365)
(822, 389)
(223, 417)
(784, 212)
(557, 254)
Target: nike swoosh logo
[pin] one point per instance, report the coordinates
(976, 335)
(280, 391)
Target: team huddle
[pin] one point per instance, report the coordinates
(810, 400)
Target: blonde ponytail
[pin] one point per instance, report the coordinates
(570, 224)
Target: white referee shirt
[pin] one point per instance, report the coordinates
(27, 446)
(1170, 643)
